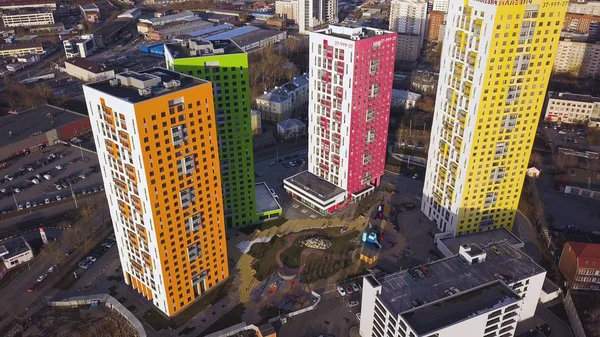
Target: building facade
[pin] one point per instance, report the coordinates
(87, 70)
(571, 108)
(580, 23)
(82, 46)
(586, 7)
(291, 129)
(21, 49)
(280, 103)
(578, 59)
(28, 18)
(15, 252)
(226, 66)
(287, 9)
(580, 265)
(350, 89)
(434, 24)
(474, 293)
(404, 98)
(495, 67)
(156, 138)
(440, 5)
(313, 14)
(409, 19)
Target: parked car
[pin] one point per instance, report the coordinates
(58, 198)
(355, 287)
(42, 277)
(91, 258)
(35, 181)
(51, 269)
(28, 205)
(341, 290)
(47, 176)
(353, 304)
(58, 167)
(82, 176)
(32, 288)
(47, 201)
(17, 190)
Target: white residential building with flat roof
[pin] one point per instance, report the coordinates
(287, 9)
(82, 46)
(409, 19)
(28, 18)
(570, 108)
(404, 98)
(481, 291)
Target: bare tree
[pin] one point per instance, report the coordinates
(53, 253)
(535, 159)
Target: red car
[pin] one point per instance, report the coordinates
(32, 288)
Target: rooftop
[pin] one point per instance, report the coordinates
(22, 45)
(233, 33)
(176, 27)
(583, 178)
(405, 95)
(290, 123)
(210, 30)
(478, 301)
(265, 202)
(17, 127)
(482, 239)
(200, 47)
(567, 96)
(89, 7)
(281, 94)
(352, 33)
(183, 15)
(140, 86)
(314, 185)
(255, 36)
(88, 65)
(400, 289)
(14, 247)
(588, 254)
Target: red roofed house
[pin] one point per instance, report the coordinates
(580, 265)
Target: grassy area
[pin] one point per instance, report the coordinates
(263, 226)
(158, 321)
(233, 317)
(264, 253)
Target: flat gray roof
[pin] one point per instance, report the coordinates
(265, 202)
(475, 302)
(400, 289)
(14, 247)
(482, 239)
(29, 123)
(314, 185)
(131, 94)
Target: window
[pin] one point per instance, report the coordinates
(374, 90)
(179, 134)
(194, 223)
(498, 174)
(370, 115)
(194, 252)
(186, 165)
(490, 199)
(501, 150)
(187, 196)
(509, 122)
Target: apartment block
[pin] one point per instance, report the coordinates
(578, 59)
(225, 64)
(584, 7)
(495, 66)
(156, 137)
(350, 89)
(436, 21)
(440, 5)
(570, 108)
(287, 9)
(280, 103)
(28, 17)
(21, 49)
(481, 291)
(409, 19)
(580, 265)
(580, 23)
(316, 14)
(82, 46)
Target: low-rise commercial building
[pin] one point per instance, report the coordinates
(579, 59)
(82, 46)
(481, 291)
(15, 252)
(90, 12)
(404, 98)
(291, 129)
(570, 108)
(171, 30)
(28, 17)
(20, 4)
(21, 49)
(87, 70)
(34, 129)
(259, 39)
(580, 265)
(279, 103)
(132, 13)
(582, 182)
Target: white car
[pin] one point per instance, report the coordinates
(2, 190)
(58, 198)
(17, 190)
(47, 201)
(58, 187)
(41, 278)
(341, 290)
(355, 286)
(35, 181)
(20, 207)
(82, 176)
(83, 192)
(47, 176)
(9, 178)
(34, 204)
(51, 269)
(58, 167)
(28, 205)
(92, 259)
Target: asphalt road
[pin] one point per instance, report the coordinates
(46, 189)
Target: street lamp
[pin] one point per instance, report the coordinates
(14, 197)
(73, 193)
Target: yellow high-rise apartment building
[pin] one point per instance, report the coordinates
(496, 61)
(155, 133)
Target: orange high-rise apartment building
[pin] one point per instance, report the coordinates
(155, 132)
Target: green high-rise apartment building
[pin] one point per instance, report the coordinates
(224, 64)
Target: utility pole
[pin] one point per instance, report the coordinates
(14, 197)
(73, 193)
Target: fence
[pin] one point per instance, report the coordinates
(109, 301)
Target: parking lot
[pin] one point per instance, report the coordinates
(43, 177)
(565, 136)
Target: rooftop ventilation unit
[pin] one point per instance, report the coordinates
(145, 92)
(114, 82)
(379, 32)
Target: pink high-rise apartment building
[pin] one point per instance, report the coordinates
(350, 89)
